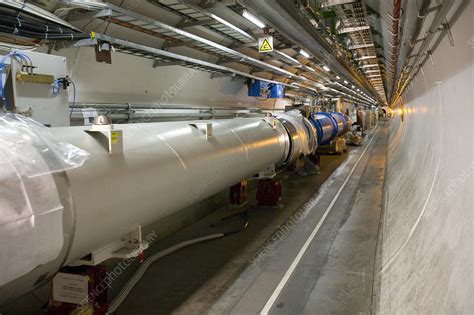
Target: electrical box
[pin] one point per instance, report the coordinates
(263, 89)
(32, 94)
(277, 91)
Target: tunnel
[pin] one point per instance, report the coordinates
(236, 157)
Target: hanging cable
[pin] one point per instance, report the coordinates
(73, 98)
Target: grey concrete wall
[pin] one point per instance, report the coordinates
(427, 234)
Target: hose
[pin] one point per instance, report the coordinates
(73, 98)
(117, 301)
(148, 262)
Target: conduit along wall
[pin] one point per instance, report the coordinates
(149, 171)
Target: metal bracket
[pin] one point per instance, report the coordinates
(131, 246)
(434, 8)
(429, 53)
(157, 63)
(269, 172)
(89, 15)
(190, 23)
(205, 128)
(222, 75)
(447, 27)
(111, 139)
(206, 4)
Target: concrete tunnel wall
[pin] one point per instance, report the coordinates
(426, 261)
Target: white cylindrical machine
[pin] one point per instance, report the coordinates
(164, 167)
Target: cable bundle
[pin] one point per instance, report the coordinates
(20, 23)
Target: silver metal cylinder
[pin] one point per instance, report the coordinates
(303, 138)
(164, 167)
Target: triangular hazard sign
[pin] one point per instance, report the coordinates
(265, 46)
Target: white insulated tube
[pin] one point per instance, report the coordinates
(164, 168)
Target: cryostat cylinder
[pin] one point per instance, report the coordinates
(329, 125)
(342, 123)
(325, 125)
(164, 167)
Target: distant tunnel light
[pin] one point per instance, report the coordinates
(252, 18)
(304, 53)
(338, 77)
(345, 82)
(326, 68)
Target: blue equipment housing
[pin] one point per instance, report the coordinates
(329, 126)
(263, 89)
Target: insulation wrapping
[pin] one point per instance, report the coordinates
(31, 230)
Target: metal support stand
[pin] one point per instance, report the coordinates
(268, 192)
(238, 194)
(131, 246)
(79, 290)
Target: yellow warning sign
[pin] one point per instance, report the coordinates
(265, 44)
(114, 137)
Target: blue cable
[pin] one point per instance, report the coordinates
(73, 97)
(56, 87)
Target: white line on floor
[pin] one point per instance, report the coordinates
(303, 249)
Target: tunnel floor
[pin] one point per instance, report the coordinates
(243, 272)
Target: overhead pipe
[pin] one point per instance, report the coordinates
(395, 43)
(420, 56)
(284, 16)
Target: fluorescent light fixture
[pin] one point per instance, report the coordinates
(338, 77)
(252, 18)
(304, 53)
(345, 82)
(326, 68)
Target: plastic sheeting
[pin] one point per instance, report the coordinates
(31, 231)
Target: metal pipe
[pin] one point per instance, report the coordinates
(158, 106)
(163, 167)
(395, 43)
(290, 21)
(438, 19)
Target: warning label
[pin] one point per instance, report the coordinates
(70, 288)
(265, 44)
